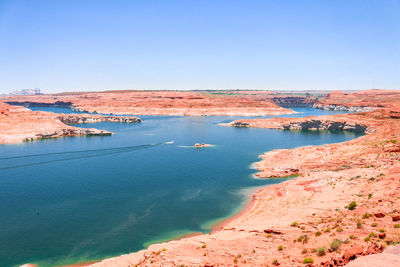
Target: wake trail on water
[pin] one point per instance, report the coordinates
(100, 152)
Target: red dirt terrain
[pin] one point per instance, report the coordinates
(343, 204)
(161, 103)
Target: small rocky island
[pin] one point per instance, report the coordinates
(198, 145)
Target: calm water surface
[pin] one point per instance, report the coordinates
(86, 198)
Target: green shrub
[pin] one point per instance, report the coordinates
(275, 262)
(366, 215)
(303, 238)
(294, 224)
(396, 225)
(321, 251)
(372, 235)
(280, 248)
(308, 260)
(352, 205)
(335, 245)
(318, 233)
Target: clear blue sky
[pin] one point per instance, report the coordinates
(64, 45)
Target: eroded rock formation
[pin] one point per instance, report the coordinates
(322, 123)
(85, 118)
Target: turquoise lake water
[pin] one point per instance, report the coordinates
(77, 199)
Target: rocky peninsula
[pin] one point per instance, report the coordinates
(341, 205)
(19, 124)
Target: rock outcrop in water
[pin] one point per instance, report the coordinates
(68, 132)
(334, 107)
(316, 125)
(322, 123)
(85, 118)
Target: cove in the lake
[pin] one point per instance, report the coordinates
(79, 199)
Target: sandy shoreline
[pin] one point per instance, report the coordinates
(340, 206)
(252, 236)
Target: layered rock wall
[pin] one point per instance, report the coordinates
(84, 118)
(326, 123)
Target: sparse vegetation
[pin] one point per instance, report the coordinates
(280, 248)
(359, 224)
(352, 237)
(303, 238)
(318, 233)
(372, 235)
(351, 206)
(396, 225)
(308, 260)
(369, 196)
(367, 215)
(366, 239)
(335, 245)
(374, 224)
(339, 229)
(275, 262)
(294, 224)
(321, 251)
